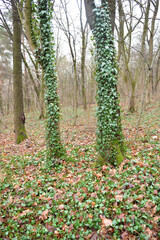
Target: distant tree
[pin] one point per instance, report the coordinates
(67, 25)
(19, 117)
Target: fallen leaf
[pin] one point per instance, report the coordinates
(119, 197)
(44, 215)
(61, 207)
(94, 237)
(10, 200)
(56, 232)
(105, 221)
(65, 227)
(93, 194)
(125, 236)
(149, 232)
(104, 168)
(112, 172)
(122, 215)
(90, 216)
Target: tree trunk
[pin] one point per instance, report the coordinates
(112, 8)
(157, 77)
(75, 94)
(1, 99)
(90, 6)
(19, 117)
(109, 132)
(83, 56)
(132, 97)
(84, 36)
(42, 106)
(152, 32)
(55, 148)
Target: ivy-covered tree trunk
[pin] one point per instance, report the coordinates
(109, 130)
(19, 118)
(42, 105)
(54, 146)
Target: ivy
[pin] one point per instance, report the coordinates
(109, 130)
(55, 148)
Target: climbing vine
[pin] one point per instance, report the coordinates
(55, 148)
(109, 130)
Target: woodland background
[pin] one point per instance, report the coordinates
(79, 199)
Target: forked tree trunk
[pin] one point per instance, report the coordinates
(19, 118)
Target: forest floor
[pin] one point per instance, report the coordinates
(76, 200)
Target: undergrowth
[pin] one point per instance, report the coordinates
(75, 200)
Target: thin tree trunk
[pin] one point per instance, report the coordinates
(152, 32)
(157, 78)
(75, 94)
(42, 106)
(1, 99)
(19, 117)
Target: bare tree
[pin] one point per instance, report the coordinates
(67, 25)
(19, 117)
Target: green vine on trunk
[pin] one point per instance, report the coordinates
(55, 148)
(109, 130)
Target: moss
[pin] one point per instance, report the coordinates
(99, 162)
(119, 157)
(21, 135)
(115, 159)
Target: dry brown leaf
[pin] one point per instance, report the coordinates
(1, 175)
(156, 219)
(90, 216)
(2, 220)
(119, 197)
(93, 194)
(149, 232)
(106, 222)
(65, 227)
(124, 236)
(70, 228)
(112, 172)
(44, 215)
(49, 227)
(122, 215)
(61, 207)
(121, 167)
(104, 168)
(25, 212)
(56, 232)
(155, 192)
(10, 200)
(149, 204)
(94, 237)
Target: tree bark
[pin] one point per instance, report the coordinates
(90, 6)
(1, 99)
(19, 117)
